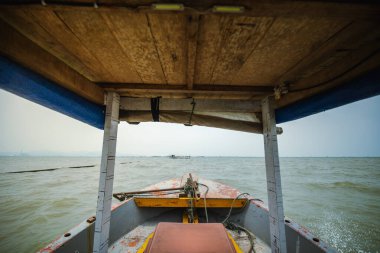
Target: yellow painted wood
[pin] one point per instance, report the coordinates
(196, 219)
(184, 202)
(237, 248)
(145, 244)
(185, 219)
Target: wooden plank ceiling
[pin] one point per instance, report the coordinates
(194, 53)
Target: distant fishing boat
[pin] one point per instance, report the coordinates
(244, 67)
(179, 157)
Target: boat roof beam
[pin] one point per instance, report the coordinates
(185, 104)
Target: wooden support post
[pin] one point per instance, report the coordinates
(103, 211)
(272, 163)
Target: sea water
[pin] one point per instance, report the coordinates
(338, 199)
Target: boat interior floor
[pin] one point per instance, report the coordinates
(136, 239)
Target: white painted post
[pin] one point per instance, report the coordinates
(272, 163)
(103, 211)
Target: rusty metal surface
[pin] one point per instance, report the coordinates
(242, 240)
(134, 240)
(216, 189)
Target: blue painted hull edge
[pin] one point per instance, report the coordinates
(359, 88)
(34, 87)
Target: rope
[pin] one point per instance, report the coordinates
(232, 204)
(251, 237)
(204, 200)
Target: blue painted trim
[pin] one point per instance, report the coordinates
(359, 88)
(34, 87)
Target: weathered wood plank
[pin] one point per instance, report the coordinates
(286, 43)
(341, 59)
(94, 33)
(26, 22)
(182, 88)
(181, 91)
(20, 49)
(205, 95)
(210, 41)
(318, 9)
(200, 120)
(58, 29)
(184, 202)
(133, 34)
(202, 105)
(169, 33)
(336, 55)
(192, 40)
(240, 37)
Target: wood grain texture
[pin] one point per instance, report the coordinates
(94, 33)
(210, 41)
(240, 36)
(58, 29)
(341, 59)
(286, 42)
(133, 34)
(169, 33)
(200, 120)
(27, 23)
(261, 8)
(192, 41)
(336, 55)
(22, 50)
(202, 105)
(203, 95)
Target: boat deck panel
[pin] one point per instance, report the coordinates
(135, 239)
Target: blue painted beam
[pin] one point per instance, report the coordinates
(34, 87)
(359, 88)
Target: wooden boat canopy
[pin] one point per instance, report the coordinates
(193, 62)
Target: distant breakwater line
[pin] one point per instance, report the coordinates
(51, 169)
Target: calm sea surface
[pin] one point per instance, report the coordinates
(338, 199)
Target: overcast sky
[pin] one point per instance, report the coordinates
(351, 130)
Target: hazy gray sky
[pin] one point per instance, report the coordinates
(351, 130)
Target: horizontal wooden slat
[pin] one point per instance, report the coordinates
(198, 91)
(203, 95)
(199, 120)
(201, 105)
(183, 88)
(185, 202)
(333, 9)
